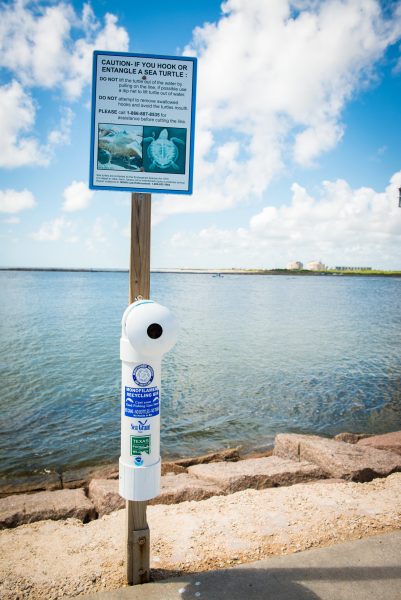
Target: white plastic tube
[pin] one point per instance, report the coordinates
(149, 330)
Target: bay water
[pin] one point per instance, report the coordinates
(256, 355)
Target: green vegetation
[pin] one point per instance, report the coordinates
(369, 273)
(304, 272)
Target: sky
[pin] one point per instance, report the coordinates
(297, 139)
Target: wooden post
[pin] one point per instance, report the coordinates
(137, 530)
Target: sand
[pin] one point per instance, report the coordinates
(54, 559)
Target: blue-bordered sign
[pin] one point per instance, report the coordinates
(143, 121)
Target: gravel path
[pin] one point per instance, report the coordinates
(52, 559)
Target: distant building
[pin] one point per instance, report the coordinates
(352, 268)
(316, 265)
(295, 266)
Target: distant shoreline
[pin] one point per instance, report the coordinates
(217, 272)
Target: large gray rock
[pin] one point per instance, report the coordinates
(387, 441)
(55, 505)
(33, 483)
(104, 495)
(174, 489)
(231, 454)
(172, 467)
(77, 478)
(183, 487)
(350, 438)
(256, 473)
(338, 459)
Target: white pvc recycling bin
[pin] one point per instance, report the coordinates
(149, 330)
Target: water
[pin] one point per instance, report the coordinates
(257, 355)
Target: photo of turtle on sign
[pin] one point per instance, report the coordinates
(119, 147)
(164, 149)
(137, 148)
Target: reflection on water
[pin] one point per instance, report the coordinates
(256, 355)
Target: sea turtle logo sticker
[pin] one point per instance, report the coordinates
(143, 375)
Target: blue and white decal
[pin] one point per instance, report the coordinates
(142, 403)
(143, 375)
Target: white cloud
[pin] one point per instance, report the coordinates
(12, 220)
(97, 237)
(51, 231)
(314, 140)
(32, 40)
(77, 196)
(61, 135)
(111, 37)
(19, 147)
(12, 201)
(17, 117)
(272, 84)
(48, 46)
(359, 227)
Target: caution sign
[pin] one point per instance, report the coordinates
(143, 115)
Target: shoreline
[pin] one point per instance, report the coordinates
(80, 476)
(217, 272)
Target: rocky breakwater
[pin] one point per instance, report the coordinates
(296, 459)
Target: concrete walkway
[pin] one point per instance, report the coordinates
(367, 569)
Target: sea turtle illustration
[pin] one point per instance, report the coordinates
(163, 152)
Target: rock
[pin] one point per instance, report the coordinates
(104, 495)
(350, 438)
(172, 467)
(61, 504)
(256, 473)
(338, 459)
(183, 488)
(33, 483)
(174, 489)
(81, 477)
(387, 441)
(257, 453)
(231, 454)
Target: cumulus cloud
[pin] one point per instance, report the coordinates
(77, 196)
(17, 117)
(97, 236)
(46, 46)
(51, 231)
(12, 201)
(342, 226)
(50, 45)
(110, 37)
(274, 78)
(19, 146)
(12, 221)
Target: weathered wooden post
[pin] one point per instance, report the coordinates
(136, 526)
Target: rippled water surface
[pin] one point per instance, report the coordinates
(256, 355)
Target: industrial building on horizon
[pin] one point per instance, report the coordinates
(317, 265)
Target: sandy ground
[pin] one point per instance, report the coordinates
(50, 559)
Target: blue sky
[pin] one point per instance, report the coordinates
(297, 152)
